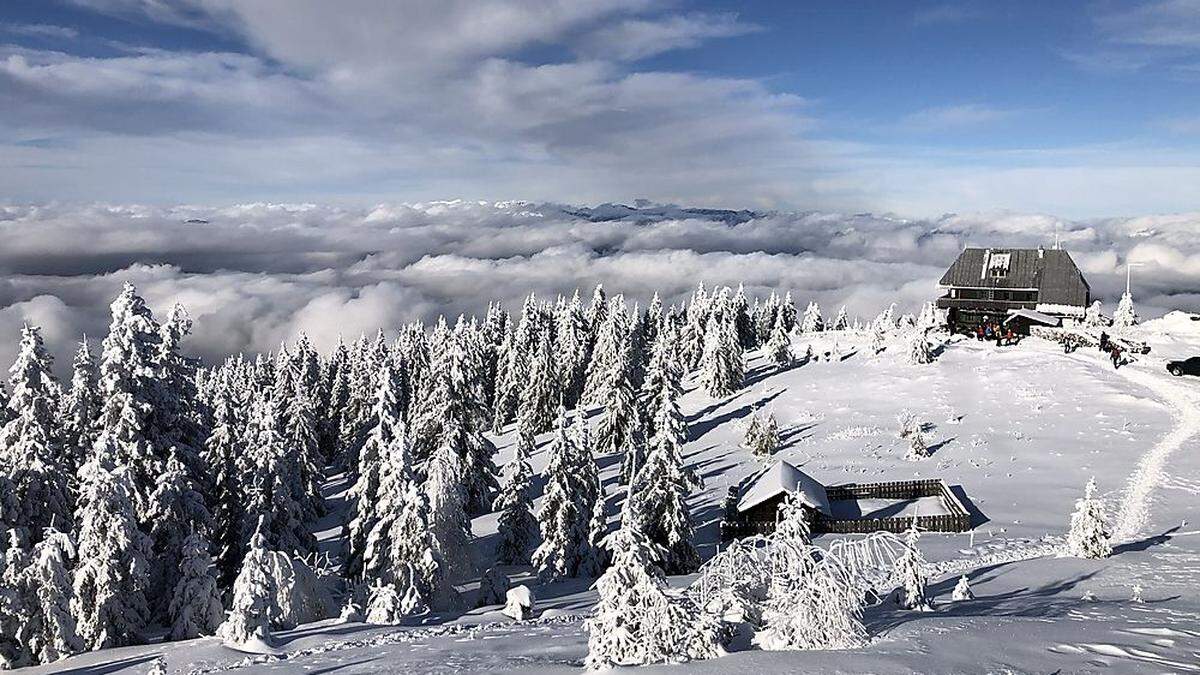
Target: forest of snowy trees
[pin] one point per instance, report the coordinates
(153, 496)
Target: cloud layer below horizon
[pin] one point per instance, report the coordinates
(253, 276)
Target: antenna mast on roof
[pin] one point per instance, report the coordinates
(1057, 246)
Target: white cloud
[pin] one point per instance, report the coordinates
(256, 275)
(953, 117)
(633, 39)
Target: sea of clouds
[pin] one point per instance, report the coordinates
(255, 275)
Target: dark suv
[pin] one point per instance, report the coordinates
(1185, 367)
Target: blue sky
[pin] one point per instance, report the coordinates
(1079, 109)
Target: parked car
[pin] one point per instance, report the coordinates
(1185, 367)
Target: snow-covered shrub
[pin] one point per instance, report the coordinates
(1088, 536)
(351, 612)
(1125, 315)
(962, 590)
(249, 619)
(809, 605)
(518, 603)
(920, 349)
(909, 573)
(1094, 316)
(384, 606)
(917, 449)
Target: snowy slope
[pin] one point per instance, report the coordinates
(1020, 429)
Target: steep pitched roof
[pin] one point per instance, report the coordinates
(784, 478)
(1051, 271)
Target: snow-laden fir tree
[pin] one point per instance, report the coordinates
(174, 425)
(1125, 315)
(449, 524)
(454, 418)
(691, 338)
(779, 347)
(842, 322)
(1093, 316)
(386, 431)
(80, 409)
(176, 509)
(112, 575)
(130, 391)
(619, 417)
(399, 551)
(541, 394)
(812, 322)
(612, 351)
(661, 366)
(221, 454)
(493, 588)
(920, 349)
(664, 483)
(928, 319)
(570, 349)
(301, 433)
(762, 435)
(909, 571)
(517, 527)
(195, 607)
(272, 494)
(31, 456)
(571, 492)
(962, 590)
(37, 615)
(1088, 536)
(787, 309)
(722, 365)
(637, 620)
(740, 307)
(809, 605)
(249, 618)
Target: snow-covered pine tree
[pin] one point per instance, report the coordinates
(453, 417)
(130, 391)
(195, 607)
(787, 309)
(385, 434)
(909, 571)
(762, 435)
(301, 433)
(80, 409)
(618, 424)
(221, 453)
(518, 528)
(740, 307)
(962, 590)
(661, 366)
(779, 347)
(812, 321)
(541, 394)
(1125, 315)
(49, 630)
(920, 350)
(174, 425)
(32, 459)
(570, 349)
(176, 509)
(567, 507)
(273, 493)
(664, 484)
(112, 575)
(1093, 316)
(637, 621)
(249, 618)
(449, 524)
(721, 363)
(1088, 536)
(506, 395)
(842, 322)
(612, 350)
(692, 338)
(878, 337)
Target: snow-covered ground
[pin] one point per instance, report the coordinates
(1018, 429)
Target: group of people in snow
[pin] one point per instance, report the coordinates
(990, 330)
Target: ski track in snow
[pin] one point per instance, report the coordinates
(1151, 474)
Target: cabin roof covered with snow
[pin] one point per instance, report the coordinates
(1033, 315)
(783, 478)
(1051, 272)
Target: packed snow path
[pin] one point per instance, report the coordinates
(1185, 407)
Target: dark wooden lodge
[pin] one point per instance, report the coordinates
(1019, 287)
